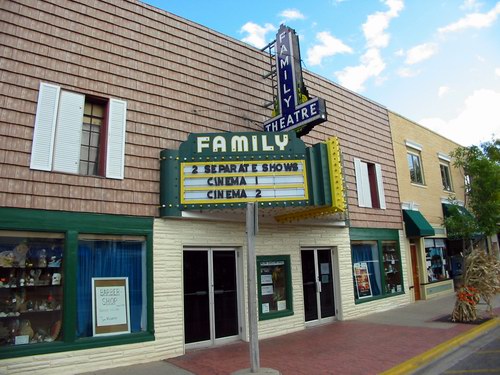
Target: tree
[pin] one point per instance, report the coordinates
(481, 166)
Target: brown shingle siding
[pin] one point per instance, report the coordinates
(176, 76)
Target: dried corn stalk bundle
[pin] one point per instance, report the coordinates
(481, 280)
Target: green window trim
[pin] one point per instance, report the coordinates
(288, 293)
(72, 224)
(379, 236)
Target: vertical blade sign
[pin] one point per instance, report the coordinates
(293, 108)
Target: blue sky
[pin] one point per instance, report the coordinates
(436, 62)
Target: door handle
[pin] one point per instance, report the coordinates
(318, 286)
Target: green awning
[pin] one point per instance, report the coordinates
(448, 208)
(416, 225)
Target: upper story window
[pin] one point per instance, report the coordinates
(415, 165)
(445, 176)
(444, 166)
(93, 122)
(414, 159)
(78, 134)
(369, 184)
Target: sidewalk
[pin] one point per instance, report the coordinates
(398, 340)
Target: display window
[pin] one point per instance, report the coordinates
(274, 286)
(376, 269)
(31, 287)
(72, 281)
(118, 305)
(435, 258)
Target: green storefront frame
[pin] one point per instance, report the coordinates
(379, 236)
(71, 224)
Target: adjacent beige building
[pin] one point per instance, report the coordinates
(427, 180)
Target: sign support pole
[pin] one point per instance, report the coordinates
(252, 229)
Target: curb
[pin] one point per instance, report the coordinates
(430, 355)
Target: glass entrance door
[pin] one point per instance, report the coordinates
(318, 287)
(210, 296)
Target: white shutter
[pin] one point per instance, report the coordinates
(115, 156)
(45, 126)
(380, 186)
(69, 132)
(362, 183)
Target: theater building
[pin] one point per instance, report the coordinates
(98, 268)
(428, 183)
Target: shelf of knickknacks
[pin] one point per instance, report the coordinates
(35, 277)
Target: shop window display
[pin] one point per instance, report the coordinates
(31, 287)
(121, 262)
(435, 256)
(376, 269)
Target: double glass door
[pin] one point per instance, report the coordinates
(318, 287)
(210, 296)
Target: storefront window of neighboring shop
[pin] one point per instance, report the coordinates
(111, 285)
(31, 287)
(274, 286)
(435, 258)
(376, 269)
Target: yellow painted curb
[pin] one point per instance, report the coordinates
(432, 354)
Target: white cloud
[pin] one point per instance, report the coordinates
(470, 5)
(407, 72)
(292, 14)
(497, 72)
(354, 77)
(443, 90)
(478, 121)
(376, 24)
(371, 62)
(329, 46)
(420, 53)
(473, 20)
(257, 34)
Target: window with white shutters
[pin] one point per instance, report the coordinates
(369, 184)
(78, 134)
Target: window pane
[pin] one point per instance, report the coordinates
(445, 177)
(436, 263)
(273, 286)
(366, 270)
(31, 288)
(94, 139)
(115, 259)
(84, 153)
(93, 154)
(84, 167)
(392, 268)
(415, 167)
(93, 118)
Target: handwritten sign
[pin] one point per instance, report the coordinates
(110, 306)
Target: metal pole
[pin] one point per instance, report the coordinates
(252, 228)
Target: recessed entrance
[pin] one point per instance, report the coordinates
(318, 285)
(211, 292)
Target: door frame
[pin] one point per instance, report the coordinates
(415, 266)
(335, 286)
(239, 303)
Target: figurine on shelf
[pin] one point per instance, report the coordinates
(12, 279)
(42, 258)
(35, 275)
(25, 329)
(7, 259)
(54, 262)
(56, 279)
(20, 252)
